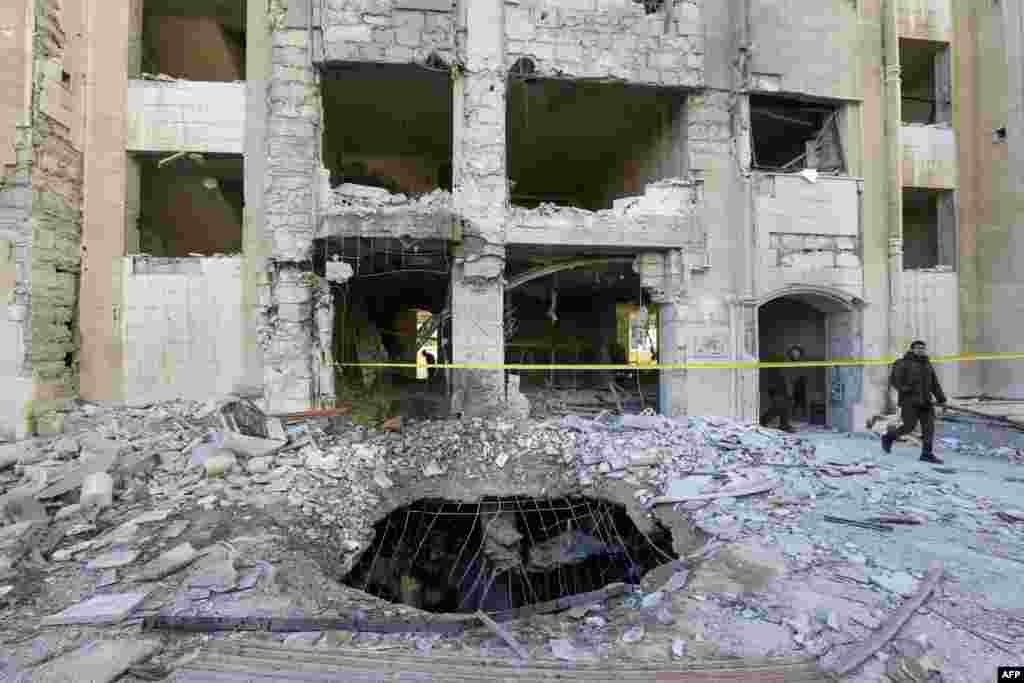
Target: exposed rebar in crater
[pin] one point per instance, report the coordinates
(504, 553)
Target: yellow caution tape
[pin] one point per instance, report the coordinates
(726, 365)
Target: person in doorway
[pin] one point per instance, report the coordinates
(914, 378)
(780, 400)
(795, 355)
(431, 371)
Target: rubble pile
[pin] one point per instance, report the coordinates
(653, 451)
(350, 197)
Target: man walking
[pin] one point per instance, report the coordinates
(914, 378)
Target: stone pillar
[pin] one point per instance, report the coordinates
(672, 349)
(291, 180)
(480, 198)
(478, 334)
(287, 337)
(323, 359)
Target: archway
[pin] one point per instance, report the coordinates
(826, 325)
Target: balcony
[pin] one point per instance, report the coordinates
(186, 116)
(929, 157)
(925, 20)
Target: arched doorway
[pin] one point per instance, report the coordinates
(826, 325)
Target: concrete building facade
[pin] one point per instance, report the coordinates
(202, 198)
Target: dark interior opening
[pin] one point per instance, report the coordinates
(388, 126)
(587, 144)
(929, 228)
(504, 553)
(394, 307)
(193, 204)
(583, 315)
(197, 40)
(791, 134)
(925, 82)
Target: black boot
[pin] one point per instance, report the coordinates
(886, 443)
(931, 458)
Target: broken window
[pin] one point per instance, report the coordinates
(929, 229)
(184, 204)
(505, 553)
(581, 309)
(925, 74)
(392, 305)
(790, 135)
(587, 144)
(388, 126)
(194, 40)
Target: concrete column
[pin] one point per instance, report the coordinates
(288, 337)
(672, 349)
(291, 174)
(894, 173)
(255, 244)
(480, 196)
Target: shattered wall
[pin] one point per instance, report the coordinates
(40, 218)
(392, 31)
(806, 46)
(808, 233)
(182, 323)
(609, 39)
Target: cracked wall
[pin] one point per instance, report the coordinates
(617, 39)
(388, 31)
(40, 220)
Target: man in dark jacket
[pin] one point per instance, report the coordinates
(779, 396)
(914, 378)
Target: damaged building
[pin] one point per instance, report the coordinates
(279, 199)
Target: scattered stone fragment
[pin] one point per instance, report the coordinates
(96, 662)
(739, 568)
(101, 609)
(107, 578)
(679, 647)
(97, 492)
(652, 600)
(382, 480)
(900, 583)
(176, 528)
(634, 634)
(173, 560)
(114, 559)
(433, 469)
(259, 465)
(220, 463)
(68, 511)
(564, 649)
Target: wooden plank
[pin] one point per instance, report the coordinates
(890, 628)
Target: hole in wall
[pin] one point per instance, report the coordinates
(504, 553)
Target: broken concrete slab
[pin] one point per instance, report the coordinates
(13, 453)
(113, 559)
(101, 609)
(21, 508)
(739, 568)
(173, 560)
(900, 583)
(687, 487)
(101, 661)
(100, 463)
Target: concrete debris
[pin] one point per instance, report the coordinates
(97, 492)
(101, 661)
(220, 463)
(333, 478)
(100, 609)
(175, 559)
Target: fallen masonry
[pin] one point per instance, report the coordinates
(632, 542)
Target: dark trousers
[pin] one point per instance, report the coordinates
(910, 414)
(780, 407)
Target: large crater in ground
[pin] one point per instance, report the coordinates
(504, 553)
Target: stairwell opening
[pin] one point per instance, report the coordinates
(504, 553)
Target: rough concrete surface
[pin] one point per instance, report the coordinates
(767, 576)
